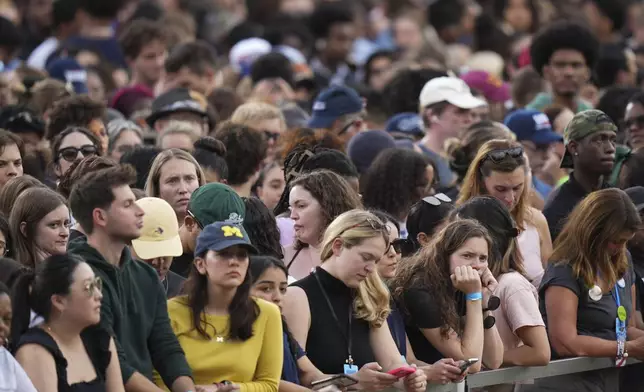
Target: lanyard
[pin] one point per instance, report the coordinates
(347, 336)
(620, 323)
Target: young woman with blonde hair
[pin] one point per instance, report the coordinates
(500, 170)
(263, 117)
(339, 312)
(174, 175)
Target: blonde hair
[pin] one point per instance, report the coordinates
(353, 227)
(175, 127)
(253, 112)
(152, 183)
(481, 167)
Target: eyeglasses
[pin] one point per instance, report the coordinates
(71, 153)
(190, 214)
(93, 285)
(497, 156)
(271, 135)
(437, 199)
(638, 122)
(403, 246)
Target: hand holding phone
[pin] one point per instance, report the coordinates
(402, 371)
(467, 363)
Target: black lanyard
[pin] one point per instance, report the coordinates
(347, 337)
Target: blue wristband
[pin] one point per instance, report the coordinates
(474, 296)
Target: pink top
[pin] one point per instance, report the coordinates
(287, 231)
(519, 308)
(530, 246)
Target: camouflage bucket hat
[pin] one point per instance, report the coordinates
(582, 125)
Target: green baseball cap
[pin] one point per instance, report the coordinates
(216, 202)
(582, 125)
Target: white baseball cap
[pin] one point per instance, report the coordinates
(450, 89)
(160, 232)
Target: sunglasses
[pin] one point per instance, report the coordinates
(93, 285)
(271, 135)
(190, 214)
(497, 156)
(370, 223)
(71, 153)
(635, 121)
(437, 199)
(402, 246)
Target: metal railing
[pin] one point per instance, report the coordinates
(517, 373)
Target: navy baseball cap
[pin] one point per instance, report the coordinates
(221, 235)
(70, 72)
(636, 194)
(332, 103)
(533, 126)
(406, 123)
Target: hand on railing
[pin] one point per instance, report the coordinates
(444, 371)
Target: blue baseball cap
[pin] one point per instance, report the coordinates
(406, 123)
(332, 103)
(532, 125)
(70, 72)
(221, 235)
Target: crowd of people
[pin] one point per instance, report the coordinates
(292, 195)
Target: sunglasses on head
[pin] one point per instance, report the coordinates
(437, 199)
(497, 156)
(70, 154)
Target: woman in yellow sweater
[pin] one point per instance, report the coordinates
(227, 335)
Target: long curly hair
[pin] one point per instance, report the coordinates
(429, 270)
(395, 181)
(261, 228)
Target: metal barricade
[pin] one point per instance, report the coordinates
(517, 373)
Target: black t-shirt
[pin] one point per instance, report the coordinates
(424, 313)
(181, 264)
(594, 318)
(561, 203)
(326, 344)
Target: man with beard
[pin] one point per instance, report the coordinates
(133, 307)
(564, 54)
(590, 140)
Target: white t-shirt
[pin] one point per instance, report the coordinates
(12, 377)
(38, 58)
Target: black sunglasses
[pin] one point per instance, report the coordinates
(71, 153)
(271, 135)
(190, 214)
(437, 199)
(402, 246)
(497, 156)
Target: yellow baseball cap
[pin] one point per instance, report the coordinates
(160, 232)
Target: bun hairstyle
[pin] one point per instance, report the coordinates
(461, 152)
(210, 153)
(210, 144)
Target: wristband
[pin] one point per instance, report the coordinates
(474, 296)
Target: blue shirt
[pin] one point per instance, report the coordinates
(109, 48)
(290, 371)
(397, 328)
(541, 187)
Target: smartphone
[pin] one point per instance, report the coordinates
(467, 364)
(402, 371)
(339, 380)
